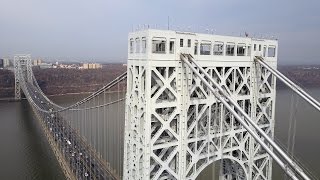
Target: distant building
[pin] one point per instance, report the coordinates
(90, 66)
(45, 65)
(85, 66)
(66, 66)
(6, 62)
(37, 62)
(98, 66)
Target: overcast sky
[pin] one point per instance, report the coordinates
(98, 29)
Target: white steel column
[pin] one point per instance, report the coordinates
(17, 88)
(175, 121)
(21, 60)
(241, 120)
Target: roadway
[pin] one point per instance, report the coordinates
(80, 157)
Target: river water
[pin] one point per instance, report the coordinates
(25, 154)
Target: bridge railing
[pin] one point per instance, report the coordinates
(94, 124)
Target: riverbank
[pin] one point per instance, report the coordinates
(65, 81)
(8, 99)
(57, 82)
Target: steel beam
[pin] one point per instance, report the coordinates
(186, 59)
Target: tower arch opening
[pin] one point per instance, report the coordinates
(222, 169)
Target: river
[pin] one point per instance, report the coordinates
(25, 154)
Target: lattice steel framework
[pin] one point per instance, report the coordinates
(213, 132)
(175, 127)
(76, 133)
(19, 61)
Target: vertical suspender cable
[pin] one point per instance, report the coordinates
(296, 89)
(242, 121)
(96, 128)
(83, 133)
(118, 130)
(290, 129)
(292, 125)
(93, 128)
(90, 134)
(109, 137)
(293, 139)
(122, 135)
(104, 127)
(290, 84)
(296, 167)
(78, 130)
(117, 138)
(107, 130)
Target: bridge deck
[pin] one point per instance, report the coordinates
(80, 157)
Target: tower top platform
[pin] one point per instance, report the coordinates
(153, 44)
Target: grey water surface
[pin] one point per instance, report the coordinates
(25, 154)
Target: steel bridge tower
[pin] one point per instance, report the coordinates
(175, 127)
(24, 62)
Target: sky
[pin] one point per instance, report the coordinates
(98, 29)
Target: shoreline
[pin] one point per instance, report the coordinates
(12, 99)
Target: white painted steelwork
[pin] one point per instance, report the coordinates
(76, 133)
(23, 60)
(182, 114)
(221, 97)
(175, 126)
(302, 93)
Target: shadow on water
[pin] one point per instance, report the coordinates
(26, 153)
(41, 152)
(307, 137)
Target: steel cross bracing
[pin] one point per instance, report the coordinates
(222, 95)
(289, 83)
(24, 61)
(216, 125)
(176, 127)
(61, 131)
(82, 153)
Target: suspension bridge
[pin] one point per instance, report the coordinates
(186, 101)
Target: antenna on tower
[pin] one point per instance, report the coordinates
(168, 22)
